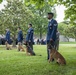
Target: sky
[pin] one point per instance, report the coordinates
(2, 4)
(60, 13)
(59, 10)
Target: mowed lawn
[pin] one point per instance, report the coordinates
(13, 62)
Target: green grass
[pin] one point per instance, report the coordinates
(67, 42)
(17, 63)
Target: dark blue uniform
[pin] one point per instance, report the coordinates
(29, 39)
(51, 33)
(8, 37)
(29, 36)
(20, 36)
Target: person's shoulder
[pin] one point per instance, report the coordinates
(31, 29)
(8, 32)
(20, 30)
(54, 20)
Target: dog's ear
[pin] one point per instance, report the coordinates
(50, 46)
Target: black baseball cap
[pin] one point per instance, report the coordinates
(50, 13)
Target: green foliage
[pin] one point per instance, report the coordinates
(63, 29)
(67, 30)
(41, 3)
(0, 1)
(40, 8)
(73, 31)
(70, 15)
(18, 63)
(40, 24)
(15, 14)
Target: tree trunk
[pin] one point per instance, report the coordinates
(67, 39)
(75, 39)
(14, 41)
(40, 23)
(40, 34)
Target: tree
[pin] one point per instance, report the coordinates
(39, 20)
(0, 1)
(73, 31)
(15, 14)
(70, 12)
(40, 11)
(67, 30)
(70, 15)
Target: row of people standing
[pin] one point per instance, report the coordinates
(51, 34)
(28, 40)
(29, 37)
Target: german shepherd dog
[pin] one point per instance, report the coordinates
(29, 50)
(8, 47)
(20, 47)
(54, 54)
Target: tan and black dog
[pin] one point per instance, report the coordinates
(8, 47)
(54, 54)
(29, 50)
(21, 48)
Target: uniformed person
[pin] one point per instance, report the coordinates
(19, 38)
(51, 32)
(29, 39)
(8, 36)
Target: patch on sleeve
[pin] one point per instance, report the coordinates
(55, 24)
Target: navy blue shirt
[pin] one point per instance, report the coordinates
(29, 36)
(8, 36)
(52, 29)
(20, 36)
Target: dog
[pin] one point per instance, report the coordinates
(54, 54)
(8, 47)
(29, 50)
(21, 48)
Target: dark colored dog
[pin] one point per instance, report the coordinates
(54, 54)
(29, 51)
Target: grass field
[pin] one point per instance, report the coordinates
(17, 63)
(67, 42)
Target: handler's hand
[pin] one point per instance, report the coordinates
(29, 40)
